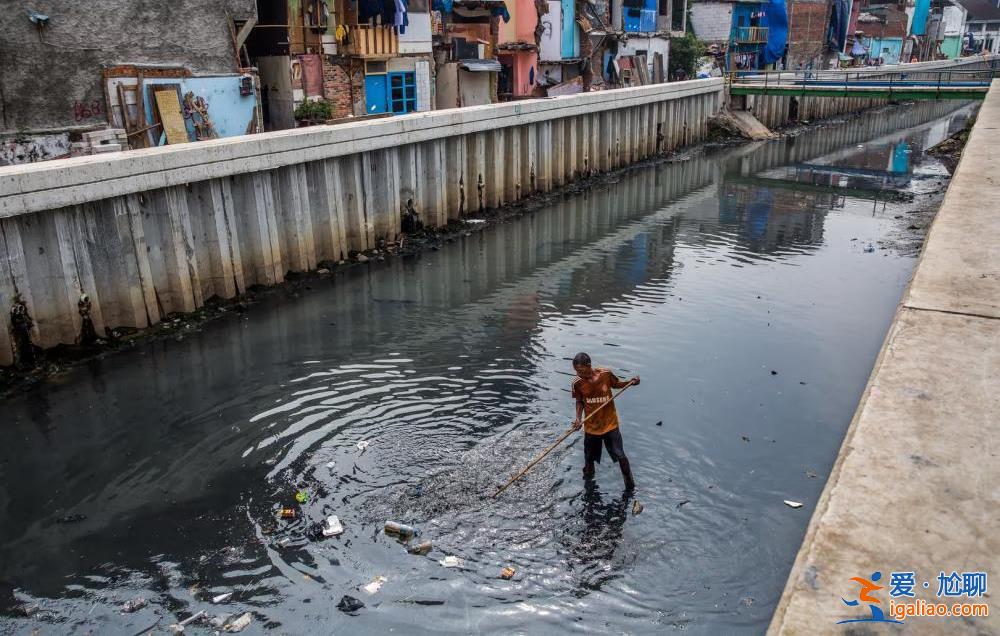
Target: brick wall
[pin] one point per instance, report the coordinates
(337, 87)
(807, 23)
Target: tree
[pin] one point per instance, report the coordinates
(685, 53)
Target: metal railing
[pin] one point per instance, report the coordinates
(869, 77)
(748, 35)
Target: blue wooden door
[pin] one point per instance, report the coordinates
(376, 97)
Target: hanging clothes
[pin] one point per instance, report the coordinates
(400, 18)
(368, 10)
(502, 12)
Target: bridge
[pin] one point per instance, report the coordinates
(966, 78)
(894, 84)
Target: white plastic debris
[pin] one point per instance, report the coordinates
(363, 444)
(333, 527)
(134, 605)
(451, 562)
(222, 598)
(178, 628)
(239, 624)
(218, 622)
(375, 585)
(793, 504)
(475, 221)
(331, 465)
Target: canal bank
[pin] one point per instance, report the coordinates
(96, 244)
(99, 248)
(914, 487)
(703, 275)
(867, 126)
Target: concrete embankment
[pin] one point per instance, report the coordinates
(120, 242)
(915, 486)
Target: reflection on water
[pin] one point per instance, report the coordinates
(739, 284)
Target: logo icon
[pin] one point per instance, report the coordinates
(866, 596)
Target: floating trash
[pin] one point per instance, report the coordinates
(134, 605)
(793, 504)
(636, 507)
(349, 604)
(400, 530)
(301, 496)
(421, 549)
(332, 527)
(451, 562)
(287, 513)
(239, 624)
(375, 585)
(178, 628)
(507, 573)
(362, 445)
(222, 598)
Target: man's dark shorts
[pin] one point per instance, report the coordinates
(612, 440)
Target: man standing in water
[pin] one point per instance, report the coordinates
(592, 388)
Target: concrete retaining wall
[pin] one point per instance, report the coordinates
(147, 233)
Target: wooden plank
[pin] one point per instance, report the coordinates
(169, 108)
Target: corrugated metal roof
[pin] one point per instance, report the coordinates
(480, 66)
(981, 9)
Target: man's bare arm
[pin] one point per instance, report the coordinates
(578, 422)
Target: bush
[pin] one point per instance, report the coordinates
(313, 111)
(685, 53)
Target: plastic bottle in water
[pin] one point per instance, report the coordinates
(400, 530)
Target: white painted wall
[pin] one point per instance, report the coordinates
(954, 20)
(417, 38)
(711, 21)
(549, 48)
(649, 44)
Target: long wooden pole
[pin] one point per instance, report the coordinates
(558, 442)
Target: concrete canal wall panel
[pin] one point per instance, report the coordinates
(119, 242)
(775, 111)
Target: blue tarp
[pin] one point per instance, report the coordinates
(920, 12)
(777, 31)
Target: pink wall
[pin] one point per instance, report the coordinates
(526, 18)
(524, 61)
(523, 18)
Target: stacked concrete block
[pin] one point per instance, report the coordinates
(99, 142)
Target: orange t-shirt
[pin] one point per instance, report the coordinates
(594, 393)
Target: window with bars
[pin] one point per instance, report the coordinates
(402, 93)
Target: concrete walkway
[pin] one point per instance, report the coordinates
(916, 487)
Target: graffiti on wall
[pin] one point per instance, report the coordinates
(86, 110)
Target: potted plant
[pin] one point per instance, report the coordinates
(311, 113)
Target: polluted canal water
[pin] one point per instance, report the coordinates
(750, 287)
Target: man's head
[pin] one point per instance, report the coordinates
(581, 364)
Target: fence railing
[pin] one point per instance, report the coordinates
(750, 35)
(373, 41)
(868, 77)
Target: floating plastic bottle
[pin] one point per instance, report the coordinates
(400, 530)
(421, 549)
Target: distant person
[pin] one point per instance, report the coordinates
(592, 388)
